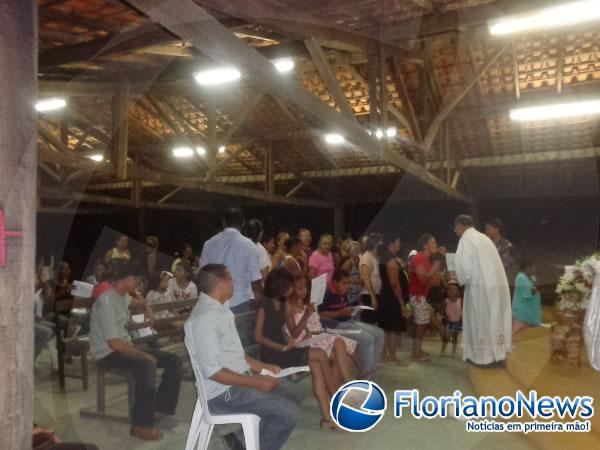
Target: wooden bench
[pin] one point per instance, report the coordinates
(165, 333)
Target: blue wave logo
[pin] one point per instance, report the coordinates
(358, 406)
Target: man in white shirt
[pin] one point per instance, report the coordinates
(254, 232)
(238, 253)
(232, 380)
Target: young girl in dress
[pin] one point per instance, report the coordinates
(302, 321)
(158, 292)
(452, 316)
(181, 286)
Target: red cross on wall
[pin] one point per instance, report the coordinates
(3, 235)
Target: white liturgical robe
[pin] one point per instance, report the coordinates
(487, 317)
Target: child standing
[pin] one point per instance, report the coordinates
(453, 316)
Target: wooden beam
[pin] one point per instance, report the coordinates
(213, 39)
(169, 195)
(161, 178)
(448, 106)
(515, 62)
(372, 90)
(269, 171)
(560, 57)
(326, 71)
(404, 97)
(211, 134)
(384, 99)
(241, 117)
(295, 189)
(120, 130)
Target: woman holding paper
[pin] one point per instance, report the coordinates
(302, 322)
(278, 348)
(321, 260)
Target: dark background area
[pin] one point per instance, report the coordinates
(555, 231)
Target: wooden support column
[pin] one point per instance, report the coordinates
(372, 79)
(269, 172)
(211, 124)
(383, 95)
(339, 221)
(120, 130)
(136, 188)
(18, 175)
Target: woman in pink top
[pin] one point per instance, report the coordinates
(321, 260)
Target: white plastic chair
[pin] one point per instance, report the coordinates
(203, 421)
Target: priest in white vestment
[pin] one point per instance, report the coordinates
(487, 316)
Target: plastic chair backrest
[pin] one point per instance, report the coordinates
(199, 383)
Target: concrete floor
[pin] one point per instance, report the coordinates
(442, 376)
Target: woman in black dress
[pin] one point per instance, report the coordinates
(393, 295)
(278, 348)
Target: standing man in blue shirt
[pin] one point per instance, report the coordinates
(239, 254)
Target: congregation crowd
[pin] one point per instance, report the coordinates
(373, 297)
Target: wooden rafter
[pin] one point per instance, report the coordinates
(69, 159)
(212, 38)
(326, 71)
(449, 105)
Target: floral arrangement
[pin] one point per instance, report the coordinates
(578, 280)
(575, 290)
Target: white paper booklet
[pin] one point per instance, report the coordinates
(319, 285)
(144, 332)
(312, 340)
(82, 289)
(364, 308)
(450, 262)
(342, 332)
(285, 372)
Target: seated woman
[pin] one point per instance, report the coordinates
(291, 258)
(302, 321)
(278, 348)
(527, 303)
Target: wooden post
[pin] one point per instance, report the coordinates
(120, 130)
(269, 175)
(211, 125)
(339, 221)
(18, 173)
(372, 79)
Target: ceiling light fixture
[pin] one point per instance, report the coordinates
(201, 151)
(50, 104)
(558, 16)
(391, 132)
(334, 138)
(183, 152)
(284, 65)
(220, 75)
(556, 111)
(222, 149)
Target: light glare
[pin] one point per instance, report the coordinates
(334, 138)
(201, 151)
(50, 104)
(182, 152)
(216, 76)
(222, 149)
(98, 157)
(284, 65)
(391, 132)
(556, 111)
(552, 17)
